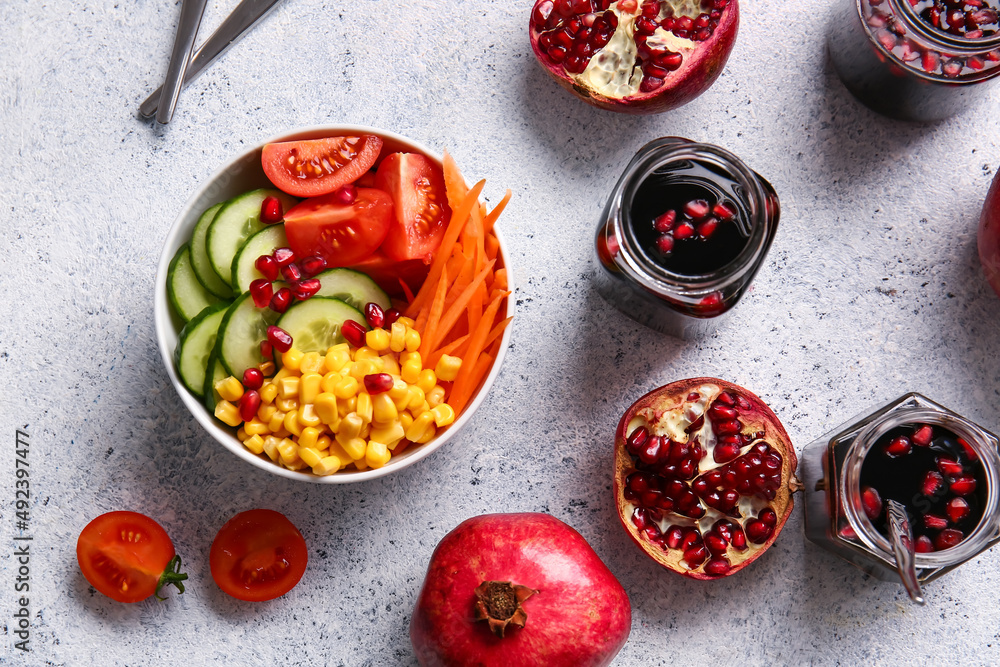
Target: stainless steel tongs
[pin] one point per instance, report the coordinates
(184, 67)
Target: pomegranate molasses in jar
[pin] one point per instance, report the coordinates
(919, 60)
(941, 467)
(682, 236)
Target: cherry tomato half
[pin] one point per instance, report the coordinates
(128, 557)
(258, 555)
(319, 166)
(342, 234)
(417, 188)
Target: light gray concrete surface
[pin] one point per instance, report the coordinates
(872, 289)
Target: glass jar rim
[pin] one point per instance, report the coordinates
(947, 40)
(986, 530)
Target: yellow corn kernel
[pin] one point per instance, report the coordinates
(412, 340)
(400, 393)
(267, 368)
(298, 464)
(410, 371)
(364, 406)
(365, 430)
(389, 364)
(230, 389)
(311, 362)
(420, 409)
(337, 357)
(264, 412)
(255, 444)
(390, 434)
(447, 367)
(355, 447)
(360, 464)
(383, 409)
(407, 356)
(350, 427)
(309, 455)
(286, 404)
(428, 435)
(365, 353)
(292, 423)
(289, 387)
(292, 359)
(363, 367)
(308, 417)
(346, 406)
(309, 386)
(283, 373)
(419, 427)
(326, 466)
(405, 419)
(241, 435)
(444, 414)
(346, 388)
(416, 397)
(427, 380)
(330, 381)
(323, 443)
(407, 321)
(435, 396)
(337, 450)
(308, 438)
(326, 408)
(228, 413)
(271, 447)
(288, 452)
(256, 427)
(397, 336)
(378, 340)
(268, 393)
(377, 454)
(277, 420)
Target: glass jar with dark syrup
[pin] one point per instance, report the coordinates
(684, 232)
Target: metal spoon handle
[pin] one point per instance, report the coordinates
(901, 537)
(187, 31)
(246, 15)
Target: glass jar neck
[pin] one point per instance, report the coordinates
(668, 150)
(989, 525)
(940, 39)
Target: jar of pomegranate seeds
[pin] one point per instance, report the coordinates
(941, 467)
(684, 232)
(919, 60)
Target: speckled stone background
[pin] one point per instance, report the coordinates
(872, 289)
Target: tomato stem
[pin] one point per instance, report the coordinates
(171, 576)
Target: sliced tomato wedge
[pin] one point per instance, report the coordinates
(416, 184)
(342, 234)
(128, 556)
(388, 272)
(258, 555)
(319, 166)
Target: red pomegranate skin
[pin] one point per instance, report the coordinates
(989, 235)
(580, 617)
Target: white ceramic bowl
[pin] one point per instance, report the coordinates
(239, 175)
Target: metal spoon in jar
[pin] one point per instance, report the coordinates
(901, 537)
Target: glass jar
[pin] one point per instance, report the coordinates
(903, 67)
(691, 303)
(835, 515)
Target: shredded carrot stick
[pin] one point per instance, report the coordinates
(453, 348)
(434, 316)
(500, 279)
(462, 390)
(448, 319)
(492, 246)
(490, 219)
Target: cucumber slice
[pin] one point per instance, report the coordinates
(240, 334)
(197, 339)
(314, 325)
(353, 288)
(186, 294)
(199, 256)
(216, 372)
(263, 242)
(234, 224)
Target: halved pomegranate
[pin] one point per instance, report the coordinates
(989, 235)
(704, 475)
(635, 56)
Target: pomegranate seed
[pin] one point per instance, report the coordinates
(266, 349)
(922, 436)
(391, 316)
(374, 315)
(923, 545)
(284, 256)
(693, 397)
(650, 452)
(757, 531)
(636, 439)
(670, 60)
(898, 446)
(716, 544)
(724, 453)
(684, 230)
(957, 509)
(253, 378)
(695, 556)
(929, 61)
(279, 338)
(261, 292)
(674, 536)
(665, 244)
(665, 222)
(312, 265)
(291, 272)
(346, 195)
(952, 68)
(648, 85)
(728, 427)
(727, 399)
(718, 566)
(270, 210)
(935, 522)
(557, 53)
(949, 467)
(305, 289)
(739, 540)
(696, 208)
(872, 503)
(969, 451)
(948, 538)
(249, 404)
(707, 228)
(354, 332)
(376, 383)
(267, 266)
(768, 517)
(720, 412)
(281, 300)
(963, 486)
(933, 482)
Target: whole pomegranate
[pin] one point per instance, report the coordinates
(704, 474)
(635, 56)
(516, 590)
(989, 235)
